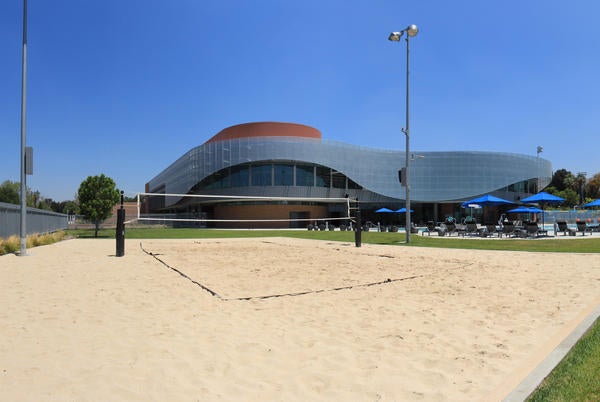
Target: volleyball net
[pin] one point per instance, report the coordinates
(241, 211)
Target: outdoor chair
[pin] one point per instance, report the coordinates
(414, 229)
(508, 229)
(532, 230)
(490, 229)
(582, 227)
(471, 229)
(450, 227)
(565, 229)
(431, 228)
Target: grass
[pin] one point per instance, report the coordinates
(589, 245)
(577, 376)
(13, 243)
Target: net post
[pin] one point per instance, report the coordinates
(120, 235)
(348, 209)
(358, 230)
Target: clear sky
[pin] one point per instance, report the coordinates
(125, 88)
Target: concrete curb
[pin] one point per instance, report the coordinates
(533, 380)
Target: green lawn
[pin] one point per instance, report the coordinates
(589, 245)
(576, 378)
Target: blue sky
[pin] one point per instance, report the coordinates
(124, 88)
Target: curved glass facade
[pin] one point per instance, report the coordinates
(275, 174)
(293, 166)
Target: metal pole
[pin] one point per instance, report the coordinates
(358, 229)
(23, 137)
(407, 134)
(120, 233)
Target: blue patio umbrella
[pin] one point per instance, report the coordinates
(522, 209)
(595, 203)
(384, 210)
(487, 200)
(525, 210)
(542, 198)
(403, 210)
(471, 207)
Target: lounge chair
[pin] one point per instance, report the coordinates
(472, 229)
(414, 229)
(490, 230)
(533, 230)
(450, 227)
(582, 227)
(508, 229)
(565, 229)
(432, 228)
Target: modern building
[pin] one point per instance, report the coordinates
(271, 159)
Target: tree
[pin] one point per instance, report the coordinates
(580, 186)
(97, 196)
(571, 197)
(10, 192)
(562, 179)
(592, 189)
(65, 207)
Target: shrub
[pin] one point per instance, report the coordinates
(13, 243)
(10, 245)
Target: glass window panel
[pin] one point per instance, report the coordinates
(353, 185)
(261, 175)
(338, 180)
(283, 175)
(323, 176)
(305, 175)
(240, 176)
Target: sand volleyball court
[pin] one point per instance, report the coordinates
(376, 323)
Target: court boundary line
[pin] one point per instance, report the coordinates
(272, 296)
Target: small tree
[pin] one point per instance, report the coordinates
(592, 188)
(97, 196)
(10, 192)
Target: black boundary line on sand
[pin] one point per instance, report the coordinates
(212, 292)
(215, 294)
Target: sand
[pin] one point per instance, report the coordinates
(78, 323)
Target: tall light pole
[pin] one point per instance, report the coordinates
(540, 149)
(23, 137)
(411, 31)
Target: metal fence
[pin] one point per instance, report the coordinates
(572, 216)
(37, 221)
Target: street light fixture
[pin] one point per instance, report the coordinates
(411, 31)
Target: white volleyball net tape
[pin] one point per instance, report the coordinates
(200, 210)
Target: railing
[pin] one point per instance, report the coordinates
(572, 216)
(37, 220)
